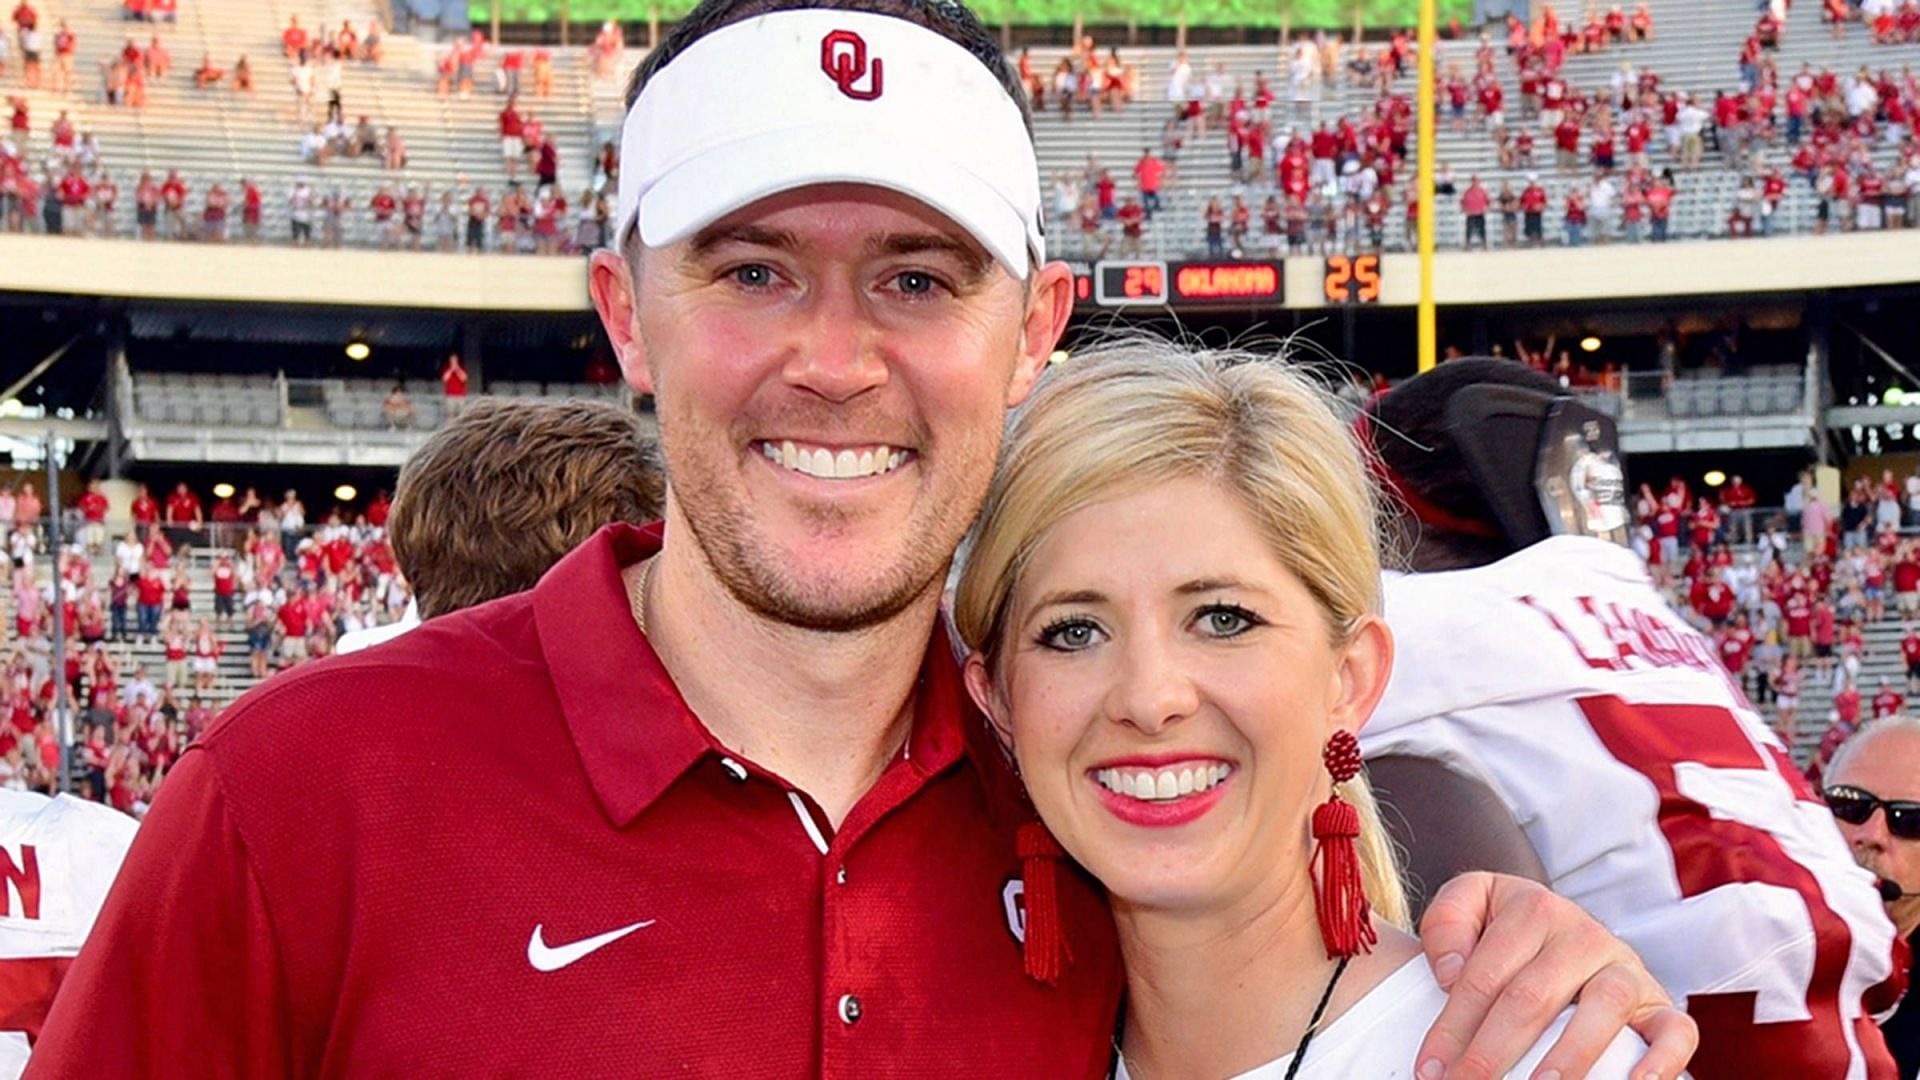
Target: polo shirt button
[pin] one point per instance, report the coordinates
(840, 876)
(849, 1009)
(734, 769)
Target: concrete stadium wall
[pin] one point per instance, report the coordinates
(1690, 268)
(372, 279)
(283, 275)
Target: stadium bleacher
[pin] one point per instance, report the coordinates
(220, 135)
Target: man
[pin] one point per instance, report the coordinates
(1533, 205)
(1150, 172)
(93, 511)
(1888, 702)
(680, 794)
(584, 464)
(580, 465)
(1473, 203)
(1873, 787)
(1541, 677)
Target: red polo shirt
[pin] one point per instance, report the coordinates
(517, 780)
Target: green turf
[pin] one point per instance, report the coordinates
(1259, 14)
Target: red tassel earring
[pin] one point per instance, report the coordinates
(1045, 948)
(1339, 897)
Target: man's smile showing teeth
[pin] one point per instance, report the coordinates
(1163, 784)
(829, 464)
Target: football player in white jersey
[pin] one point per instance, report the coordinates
(1550, 715)
(57, 858)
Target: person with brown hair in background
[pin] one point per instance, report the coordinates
(570, 466)
(587, 463)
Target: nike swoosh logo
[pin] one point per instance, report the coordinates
(544, 957)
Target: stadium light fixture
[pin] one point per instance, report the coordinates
(1589, 344)
(1893, 396)
(358, 350)
(346, 492)
(11, 407)
(223, 491)
(1715, 478)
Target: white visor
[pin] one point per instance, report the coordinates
(818, 97)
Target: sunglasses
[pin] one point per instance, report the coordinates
(1855, 806)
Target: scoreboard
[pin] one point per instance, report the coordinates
(1180, 284)
(1345, 278)
(1352, 279)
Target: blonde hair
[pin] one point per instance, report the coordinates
(1127, 415)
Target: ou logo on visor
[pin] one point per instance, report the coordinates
(843, 56)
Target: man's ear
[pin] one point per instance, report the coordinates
(610, 282)
(1049, 306)
(988, 698)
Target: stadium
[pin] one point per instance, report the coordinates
(254, 256)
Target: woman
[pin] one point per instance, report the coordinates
(1172, 604)
(206, 657)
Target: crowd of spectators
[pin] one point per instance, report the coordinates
(1815, 128)
(1081, 79)
(1580, 164)
(69, 190)
(291, 585)
(1789, 614)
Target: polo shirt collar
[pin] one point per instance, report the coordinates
(636, 735)
(633, 732)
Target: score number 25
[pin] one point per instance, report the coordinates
(1353, 279)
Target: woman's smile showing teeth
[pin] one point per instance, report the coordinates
(1164, 793)
(829, 463)
(1164, 784)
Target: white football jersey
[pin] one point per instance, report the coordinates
(57, 858)
(1654, 794)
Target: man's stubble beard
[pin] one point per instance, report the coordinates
(723, 530)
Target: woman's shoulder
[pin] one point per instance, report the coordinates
(1381, 1033)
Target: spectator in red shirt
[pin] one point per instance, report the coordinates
(1149, 172)
(453, 380)
(1133, 217)
(479, 209)
(1736, 648)
(1660, 207)
(1910, 654)
(512, 150)
(1846, 721)
(250, 206)
(1739, 499)
(293, 40)
(1823, 635)
(1713, 598)
(150, 594)
(295, 621)
(73, 191)
(1797, 610)
(145, 512)
(184, 514)
(173, 197)
(226, 580)
(1888, 701)
(1906, 580)
(1533, 208)
(92, 505)
(1473, 204)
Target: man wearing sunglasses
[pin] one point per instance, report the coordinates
(1873, 787)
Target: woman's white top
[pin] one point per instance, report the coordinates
(1378, 1037)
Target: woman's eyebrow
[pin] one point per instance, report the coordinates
(1070, 596)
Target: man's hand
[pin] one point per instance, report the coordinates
(1512, 954)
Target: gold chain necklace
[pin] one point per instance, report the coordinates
(637, 594)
